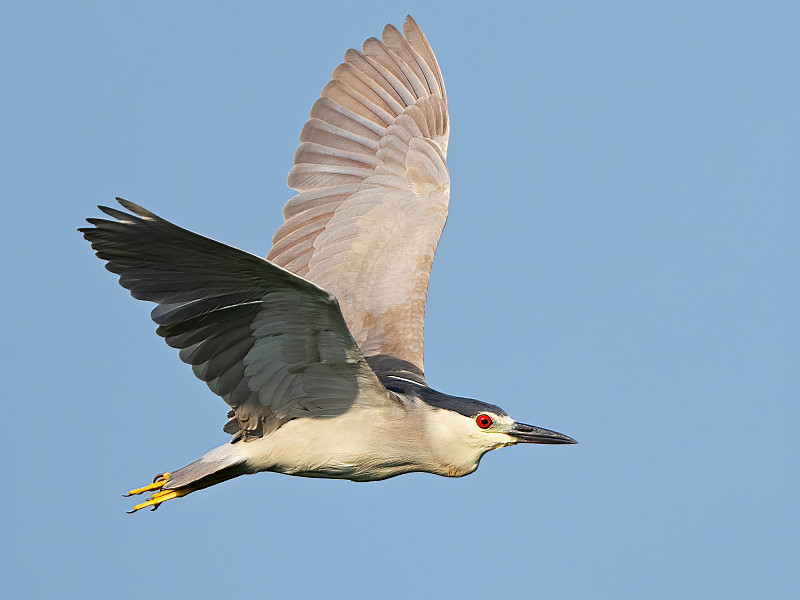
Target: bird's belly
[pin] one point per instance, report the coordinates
(337, 448)
(353, 472)
(341, 465)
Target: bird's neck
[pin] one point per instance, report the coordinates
(451, 454)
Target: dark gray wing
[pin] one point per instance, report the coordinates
(272, 344)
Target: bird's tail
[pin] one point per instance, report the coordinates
(204, 472)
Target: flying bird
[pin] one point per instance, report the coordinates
(318, 349)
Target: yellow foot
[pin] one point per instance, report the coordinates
(158, 482)
(159, 495)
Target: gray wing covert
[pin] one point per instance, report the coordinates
(272, 344)
(373, 185)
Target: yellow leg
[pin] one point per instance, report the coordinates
(159, 495)
(158, 482)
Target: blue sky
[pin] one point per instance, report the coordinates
(620, 264)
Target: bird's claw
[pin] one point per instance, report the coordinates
(158, 482)
(158, 496)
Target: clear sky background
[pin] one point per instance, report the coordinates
(620, 264)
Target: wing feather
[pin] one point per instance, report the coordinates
(383, 60)
(422, 47)
(377, 79)
(374, 188)
(272, 344)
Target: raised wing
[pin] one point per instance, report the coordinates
(273, 345)
(373, 191)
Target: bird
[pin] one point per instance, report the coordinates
(318, 348)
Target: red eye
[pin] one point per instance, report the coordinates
(483, 421)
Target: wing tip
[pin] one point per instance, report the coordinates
(135, 208)
(122, 217)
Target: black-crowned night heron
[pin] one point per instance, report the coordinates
(318, 350)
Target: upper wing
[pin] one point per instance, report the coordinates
(373, 191)
(273, 345)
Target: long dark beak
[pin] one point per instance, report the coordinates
(536, 435)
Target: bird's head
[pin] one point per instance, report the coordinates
(463, 430)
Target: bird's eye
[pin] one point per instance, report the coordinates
(483, 421)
